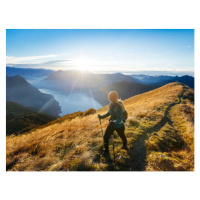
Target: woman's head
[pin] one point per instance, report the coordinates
(113, 96)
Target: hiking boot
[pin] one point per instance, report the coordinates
(124, 147)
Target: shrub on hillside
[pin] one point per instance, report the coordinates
(89, 112)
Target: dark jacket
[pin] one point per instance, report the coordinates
(116, 113)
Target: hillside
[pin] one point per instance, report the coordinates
(20, 119)
(20, 91)
(159, 130)
(125, 90)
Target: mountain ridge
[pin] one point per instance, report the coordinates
(163, 79)
(22, 92)
(30, 73)
(65, 80)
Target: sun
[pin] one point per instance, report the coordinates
(82, 64)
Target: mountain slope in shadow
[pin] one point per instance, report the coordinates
(20, 119)
(125, 90)
(20, 91)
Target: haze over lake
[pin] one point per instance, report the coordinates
(74, 102)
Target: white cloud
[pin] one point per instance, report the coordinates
(27, 59)
(100, 66)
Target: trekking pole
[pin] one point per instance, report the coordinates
(113, 148)
(101, 126)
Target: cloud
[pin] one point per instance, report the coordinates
(54, 64)
(27, 59)
(108, 66)
(188, 46)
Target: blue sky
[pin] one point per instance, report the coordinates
(122, 50)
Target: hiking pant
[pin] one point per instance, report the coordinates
(109, 131)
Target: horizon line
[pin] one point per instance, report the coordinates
(134, 72)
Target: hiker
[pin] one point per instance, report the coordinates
(116, 121)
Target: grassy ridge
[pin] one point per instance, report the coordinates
(159, 130)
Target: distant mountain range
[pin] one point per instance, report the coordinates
(20, 91)
(162, 80)
(20, 119)
(125, 90)
(29, 73)
(65, 80)
(78, 80)
(187, 80)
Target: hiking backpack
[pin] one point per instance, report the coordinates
(125, 113)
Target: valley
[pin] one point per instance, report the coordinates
(72, 102)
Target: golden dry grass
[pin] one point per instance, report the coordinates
(75, 144)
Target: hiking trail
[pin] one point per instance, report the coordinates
(137, 153)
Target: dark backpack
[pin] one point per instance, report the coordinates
(124, 115)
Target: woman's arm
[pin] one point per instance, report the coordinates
(106, 115)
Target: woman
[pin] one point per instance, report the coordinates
(116, 120)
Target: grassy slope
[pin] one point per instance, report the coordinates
(160, 134)
(20, 119)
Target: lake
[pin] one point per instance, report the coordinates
(74, 102)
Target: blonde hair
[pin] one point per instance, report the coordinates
(120, 103)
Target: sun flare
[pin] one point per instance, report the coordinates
(82, 64)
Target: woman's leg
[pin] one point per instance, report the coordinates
(121, 134)
(108, 133)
